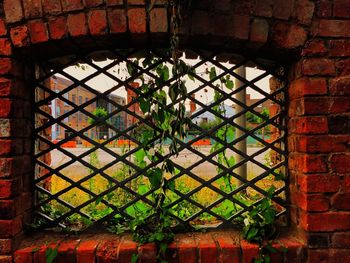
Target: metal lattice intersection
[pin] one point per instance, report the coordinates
(87, 167)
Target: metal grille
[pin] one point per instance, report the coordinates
(87, 167)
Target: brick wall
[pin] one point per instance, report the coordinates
(313, 37)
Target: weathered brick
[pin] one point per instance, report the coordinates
(259, 31)
(241, 27)
(283, 9)
(340, 163)
(322, 143)
(340, 105)
(308, 125)
(66, 251)
(318, 66)
(187, 248)
(97, 20)
(308, 163)
(310, 202)
(9, 228)
(339, 48)
(319, 183)
(307, 86)
(303, 11)
(158, 20)
(58, 27)
(20, 36)
(137, 20)
(341, 240)
(77, 25)
(72, 5)
(117, 21)
(136, 2)
(340, 86)
(264, 8)
(114, 2)
(340, 201)
(250, 251)
(107, 251)
(332, 28)
(38, 31)
(86, 251)
(208, 251)
(325, 222)
(32, 8)
(315, 47)
(288, 35)
(52, 6)
(24, 255)
(229, 250)
(5, 47)
(341, 8)
(127, 248)
(6, 259)
(318, 240)
(339, 124)
(323, 8)
(93, 3)
(343, 67)
(3, 28)
(13, 10)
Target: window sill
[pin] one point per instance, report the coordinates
(217, 246)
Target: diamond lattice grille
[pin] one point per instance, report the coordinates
(90, 127)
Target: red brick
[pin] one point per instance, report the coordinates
(315, 47)
(6, 259)
(340, 201)
(332, 28)
(339, 124)
(308, 125)
(32, 8)
(136, 2)
(77, 25)
(339, 48)
(240, 28)
(107, 251)
(307, 163)
(7, 209)
(10, 187)
(6, 246)
(158, 20)
(307, 86)
(340, 105)
(6, 109)
(207, 248)
(3, 29)
(117, 21)
(318, 66)
(288, 36)
(341, 8)
(10, 228)
(264, 8)
(322, 143)
(13, 10)
(341, 240)
(343, 67)
(52, 6)
(229, 250)
(328, 256)
(325, 222)
(259, 31)
(309, 106)
(340, 163)
(66, 251)
(72, 5)
(323, 8)
(303, 11)
(8, 147)
(114, 2)
(147, 253)
(40, 254)
(38, 31)
(319, 183)
(24, 255)
(310, 202)
(249, 251)
(187, 248)
(127, 249)
(93, 3)
(340, 86)
(283, 9)
(137, 20)
(86, 251)
(58, 27)
(20, 36)
(5, 47)
(97, 20)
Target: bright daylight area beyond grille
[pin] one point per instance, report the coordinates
(91, 122)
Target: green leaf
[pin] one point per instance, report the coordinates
(173, 94)
(140, 155)
(229, 84)
(145, 105)
(98, 200)
(134, 258)
(51, 254)
(212, 73)
(155, 177)
(253, 231)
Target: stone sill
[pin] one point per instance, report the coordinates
(217, 246)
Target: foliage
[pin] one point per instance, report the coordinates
(100, 113)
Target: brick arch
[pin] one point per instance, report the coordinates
(312, 36)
